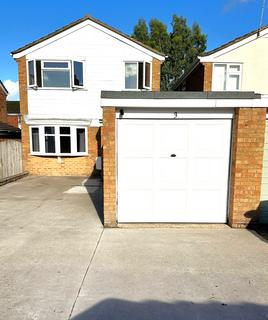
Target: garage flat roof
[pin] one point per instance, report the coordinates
(180, 95)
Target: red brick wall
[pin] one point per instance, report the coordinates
(3, 106)
(207, 76)
(156, 75)
(109, 167)
(12, 120)
(246, 171)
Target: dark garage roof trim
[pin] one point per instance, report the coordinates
(179, 95)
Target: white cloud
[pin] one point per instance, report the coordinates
(230, 4)
(13, 89)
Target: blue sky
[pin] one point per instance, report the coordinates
(24, 21)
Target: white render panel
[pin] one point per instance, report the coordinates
(104, 58)
(173, 170)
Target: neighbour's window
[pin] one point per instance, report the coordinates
(226, 77)
(58, 140)
(35, 140)
(55, 74)
(137, 75)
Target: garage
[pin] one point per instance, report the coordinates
(173, 170)
(182, 157)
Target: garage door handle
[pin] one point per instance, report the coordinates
(173, 155)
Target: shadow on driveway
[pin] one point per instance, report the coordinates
(116, 309)
(94, 188)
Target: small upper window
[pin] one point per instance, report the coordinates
(137, 75)
(78, 79)
(55, 74)
(226, 77)
(31, 73)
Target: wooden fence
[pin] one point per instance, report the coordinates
(10, 158)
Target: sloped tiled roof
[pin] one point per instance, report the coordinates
(7, 130)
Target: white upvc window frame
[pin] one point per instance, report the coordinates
(72, 74)
(73, 132)
(143, 80)
(228, 66)
(34, 85)
(43, 68)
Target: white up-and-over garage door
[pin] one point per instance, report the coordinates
(173, 170)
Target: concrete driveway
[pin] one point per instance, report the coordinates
(56, 262)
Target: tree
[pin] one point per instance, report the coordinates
(182, 45)
(141, 32)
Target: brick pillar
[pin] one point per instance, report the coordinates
(246, 170)
(207, 76)
(109, 167)
(156, 74)
(25, 139)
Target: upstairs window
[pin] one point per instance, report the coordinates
(226, 77)
(137, 75)
(55, 74)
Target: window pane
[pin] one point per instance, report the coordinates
(56, 64)
(58, 79)
(38, 73)
(65, 130)
(131, 75)
(50, 144)
(233, 82)
(140, 75)
(147, 74)
(234, 68)
(49, 130)
(78, 73)
(35, 140)
(81, 140)
(65, 144)
(31, 76)
(219, 77)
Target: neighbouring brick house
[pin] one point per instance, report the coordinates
(60, 79)
(13, 113)
(7, 131)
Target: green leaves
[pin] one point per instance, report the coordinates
(182, 45)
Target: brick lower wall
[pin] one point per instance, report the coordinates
(63, 166)
(246, 169)
(109, 167)
(3, 106)
(13, 120)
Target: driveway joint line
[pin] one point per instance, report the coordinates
(86, 272)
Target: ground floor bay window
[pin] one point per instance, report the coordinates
(58, 140)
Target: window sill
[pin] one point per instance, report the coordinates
(63, 155)
(60, 89)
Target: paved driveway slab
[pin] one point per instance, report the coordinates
(56, 262)
(47, 238)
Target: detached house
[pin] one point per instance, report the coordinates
(61, 77)
(86, 91)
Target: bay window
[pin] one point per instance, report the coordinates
(137, 75)
(226, 77)
(55, 74)
(58, 140)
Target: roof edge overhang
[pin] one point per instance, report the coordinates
(183, 99)
(80, 23)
